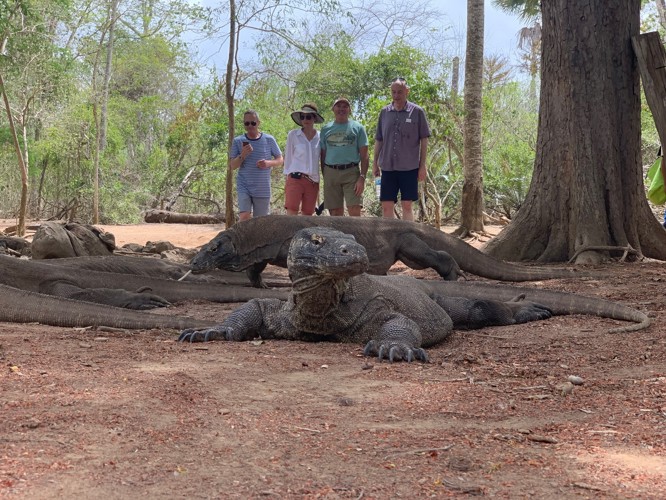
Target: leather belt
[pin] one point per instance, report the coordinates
(301, 175)
(343, 166)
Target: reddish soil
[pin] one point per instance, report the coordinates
(134, 414)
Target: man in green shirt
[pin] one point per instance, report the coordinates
(344, 161)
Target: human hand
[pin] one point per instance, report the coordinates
(360, 186)
(246, 150)
(263, 164)
(376, 170)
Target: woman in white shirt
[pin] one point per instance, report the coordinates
(301, 164)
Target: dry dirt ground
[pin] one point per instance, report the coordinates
(135, 414)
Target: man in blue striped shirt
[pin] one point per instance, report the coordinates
(254, 154)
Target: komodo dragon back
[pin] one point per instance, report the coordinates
(266, 240)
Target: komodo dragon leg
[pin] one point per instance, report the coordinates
(254, 274)
(417, 254)
(257, 318)
(472, 314)
(115, 297)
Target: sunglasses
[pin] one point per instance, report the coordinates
(399, 80)
(307, 116)
(247, 124)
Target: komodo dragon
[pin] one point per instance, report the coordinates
(115, 289)
(252, 244)
(21, 306)
(146, 266)
(395, 316)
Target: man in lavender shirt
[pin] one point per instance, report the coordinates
(401, 143)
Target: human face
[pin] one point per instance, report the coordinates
(341, 111)
(399, 92)
(251, 123)
(307, 120)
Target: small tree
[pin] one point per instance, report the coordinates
(472, 192)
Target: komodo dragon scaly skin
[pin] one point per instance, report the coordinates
(21, 306)
(252, 244)
(116, 289)
(395, 316)
(146, 266)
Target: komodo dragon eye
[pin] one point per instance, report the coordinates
(317, 239)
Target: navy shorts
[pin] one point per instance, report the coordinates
(405, 183)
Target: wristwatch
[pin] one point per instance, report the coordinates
(362, 175)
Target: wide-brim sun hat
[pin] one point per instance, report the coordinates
(307, 109)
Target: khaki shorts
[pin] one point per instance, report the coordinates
(339, 188)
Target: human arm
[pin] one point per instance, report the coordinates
(422, 159)
(289, 152)
(365, 164)
(376, 167)
(238, 160)
(322, 160)
(275, 162)
(275, 152)
(379, 141)
(424, 134)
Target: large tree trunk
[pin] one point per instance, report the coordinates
(472, 192)
(587, 188)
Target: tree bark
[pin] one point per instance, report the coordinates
(587, 187)
(101, 128)
(163, 216)
(229, 93)
(20, 227)
(455, 79)
(472, 192)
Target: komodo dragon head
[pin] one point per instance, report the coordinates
(218, 253)
(325, 253)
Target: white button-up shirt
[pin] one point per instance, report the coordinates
(302, 155)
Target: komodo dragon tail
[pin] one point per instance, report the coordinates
(560, 303)
(474, 261)
(20, 306)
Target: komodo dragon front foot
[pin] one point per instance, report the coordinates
(525, 311)
(218, 332)
(394, 351)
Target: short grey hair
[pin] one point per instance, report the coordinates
(253, 113)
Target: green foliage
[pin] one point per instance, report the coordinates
(166, 119)
(528, 9)
(509, 132)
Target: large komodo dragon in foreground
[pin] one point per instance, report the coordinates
(395, 316)
(252, 244)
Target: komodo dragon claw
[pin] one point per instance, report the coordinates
(204, 334)
(393, 351)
